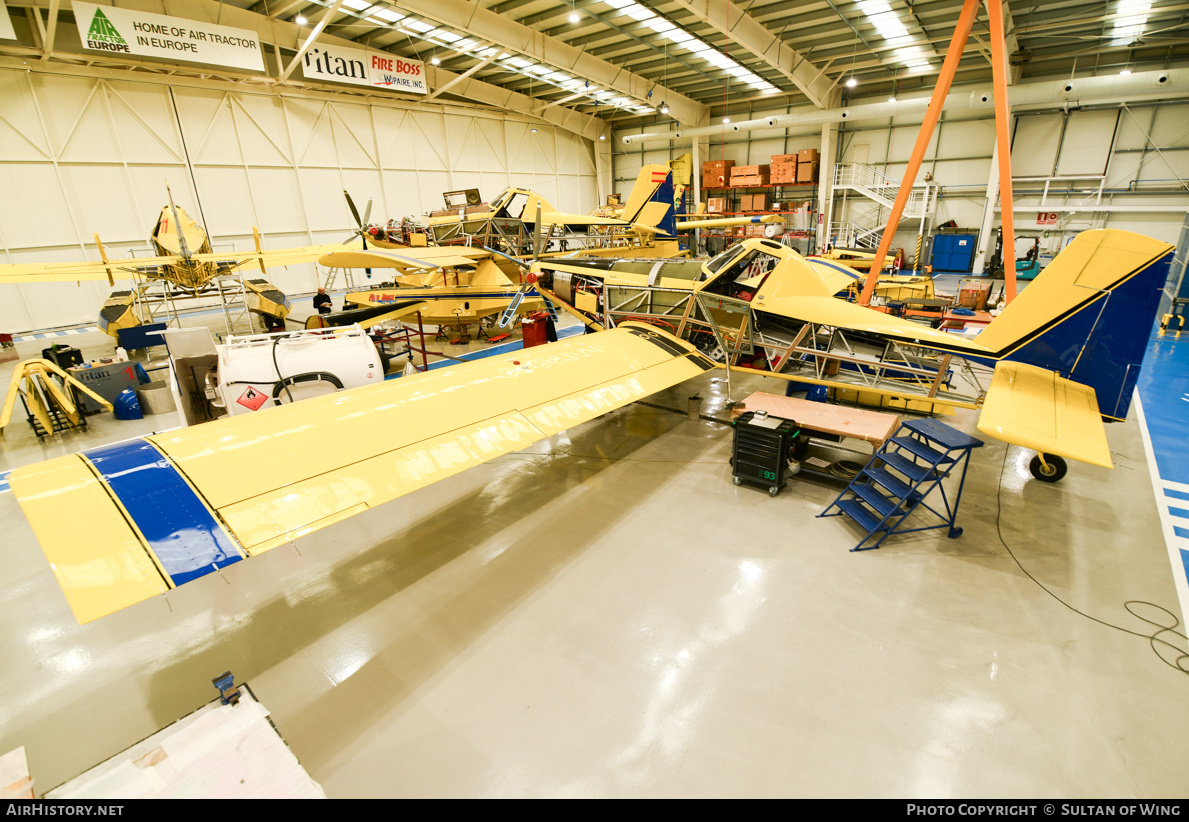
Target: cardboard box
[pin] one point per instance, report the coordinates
(716, 205)
(808, 155)
(806, 172)
(754, 202)
(748, 182)
(749, 171)
(784, 158)
(783, 173)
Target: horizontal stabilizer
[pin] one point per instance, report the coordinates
(1038, 409)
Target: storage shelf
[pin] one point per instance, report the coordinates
(769, 185)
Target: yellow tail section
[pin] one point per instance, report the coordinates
(647, 182)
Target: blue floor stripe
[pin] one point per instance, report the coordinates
(180, 530)
(1181, 532)
(1169, 492)
(1178, 512)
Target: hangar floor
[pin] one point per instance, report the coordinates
(605, 614)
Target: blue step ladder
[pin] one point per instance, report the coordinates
(509, 313)
(899, 476)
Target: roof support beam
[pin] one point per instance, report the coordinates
(53, 28)
(461, 77)
(731, 20)
(470, 19)
(301, 52)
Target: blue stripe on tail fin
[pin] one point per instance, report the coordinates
(1103, 344)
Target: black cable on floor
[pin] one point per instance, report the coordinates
(1153, 639)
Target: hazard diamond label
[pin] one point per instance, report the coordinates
(252, 399)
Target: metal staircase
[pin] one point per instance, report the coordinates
(896, 480)
(877, 186)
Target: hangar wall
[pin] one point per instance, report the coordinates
(1141, 149)
(83, 154)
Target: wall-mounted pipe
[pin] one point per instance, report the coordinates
(1115, 88)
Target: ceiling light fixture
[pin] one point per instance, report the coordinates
(726, 120)
(664, 108)
(301, 21)
(892, 99)
(1125, 72)
(575, 17)
(435, 61)
(851, 82)
(602, 136)
(533, 130)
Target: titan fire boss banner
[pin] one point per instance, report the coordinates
(138, 33)
(358, 67)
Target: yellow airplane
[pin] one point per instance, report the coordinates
(446, 285)
(1064, 353)
(1064, 357)
(184, 259)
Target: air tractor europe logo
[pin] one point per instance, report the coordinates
(103, 35)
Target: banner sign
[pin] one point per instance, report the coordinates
(358, 67)
(139, 33)
(6, 30)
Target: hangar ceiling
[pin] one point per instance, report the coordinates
(639, 62)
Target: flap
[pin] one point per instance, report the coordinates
(1038, 409)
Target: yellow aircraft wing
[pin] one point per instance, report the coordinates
(727, 222)
(405, 259)
(75, 271)
(275, 256)
(154, 513)
(1036, 408)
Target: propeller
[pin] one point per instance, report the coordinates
(362, 226)
(530, 280)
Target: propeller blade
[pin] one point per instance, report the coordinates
(537, 232)
(367, 212)
(354, 211)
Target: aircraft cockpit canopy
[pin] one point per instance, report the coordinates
(739, 272)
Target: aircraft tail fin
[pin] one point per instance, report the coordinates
(654, 184)
(1089, 314)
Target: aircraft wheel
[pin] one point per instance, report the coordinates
(737, 481)
(1056, 469)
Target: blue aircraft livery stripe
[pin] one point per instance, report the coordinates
(179, 528)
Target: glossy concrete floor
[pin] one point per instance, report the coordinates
(605, 614)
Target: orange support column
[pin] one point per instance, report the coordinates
(952, 57)
(1003, 140)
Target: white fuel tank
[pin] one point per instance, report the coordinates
(259, 371)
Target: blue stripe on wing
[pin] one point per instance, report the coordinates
(178, 527)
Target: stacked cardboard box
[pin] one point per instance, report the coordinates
(716, 205)
(784, 169)
(753, 202)
(807, 162)
(717, 173)
(749, 176)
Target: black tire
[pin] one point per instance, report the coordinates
(1057, 468)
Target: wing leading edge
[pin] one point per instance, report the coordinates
(157, 512)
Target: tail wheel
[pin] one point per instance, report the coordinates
(1052, 472)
